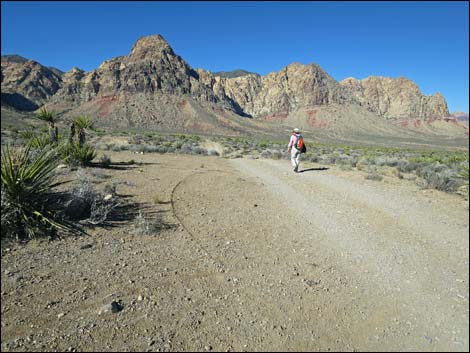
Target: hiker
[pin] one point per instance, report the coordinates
(296, 147)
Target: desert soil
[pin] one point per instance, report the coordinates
(252, 258)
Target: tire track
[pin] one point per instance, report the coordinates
(215, 261)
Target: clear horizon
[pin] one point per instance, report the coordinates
(426, 42)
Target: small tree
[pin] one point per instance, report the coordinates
(48, 116)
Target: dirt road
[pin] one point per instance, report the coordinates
(257, 258)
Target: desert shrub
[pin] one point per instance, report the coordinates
(144, 148)
(265, 154)
(328, 159)
(186, 148)
(26, 200)
(110, 189)
(346, 160)
(440, 177)
(373, 174)
(312, 158)
(84, 204)
(105, 160)
(102, 146)
(388, 161)
(162, 149)
(200, 150)
(146, 226)
(98, 174)
(124, 147)
(345, 166)
(178, 144)
(398, 174)
(136, 139)
(133, 148)
(276, 155)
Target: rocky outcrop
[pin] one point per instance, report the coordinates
(151, 67)
(26, 84)
(295, 86)
(396, 98)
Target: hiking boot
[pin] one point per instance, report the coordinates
(296, 169)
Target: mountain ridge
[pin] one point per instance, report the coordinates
(154, 86)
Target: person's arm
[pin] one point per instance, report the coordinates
(291, 143)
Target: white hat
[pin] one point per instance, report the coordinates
(296, 130)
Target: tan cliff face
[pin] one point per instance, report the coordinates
(396, 98)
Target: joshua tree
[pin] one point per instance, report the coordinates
(82, 123)
(48, 117)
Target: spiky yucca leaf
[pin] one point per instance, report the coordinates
(40, 141)
(26, 182)
(27, 134)
(83, 122)
(46, 115)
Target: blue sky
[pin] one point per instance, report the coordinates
(427, 42)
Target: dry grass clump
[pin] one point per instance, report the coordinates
(146, 225)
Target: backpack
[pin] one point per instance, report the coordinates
(300, 144)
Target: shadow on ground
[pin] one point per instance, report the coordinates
(313, 169)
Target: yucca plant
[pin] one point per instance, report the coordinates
(27, 180)
(76, 154)
(27, 134)
(48, 116)
(82, 123)
(40, 142)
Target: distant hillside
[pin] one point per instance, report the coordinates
(461, 116)
(234, 73)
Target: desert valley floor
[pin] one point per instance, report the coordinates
(250, 257)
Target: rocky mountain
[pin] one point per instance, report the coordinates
(278, 93)
(26, 84)
(396, 98)
(154, 87)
